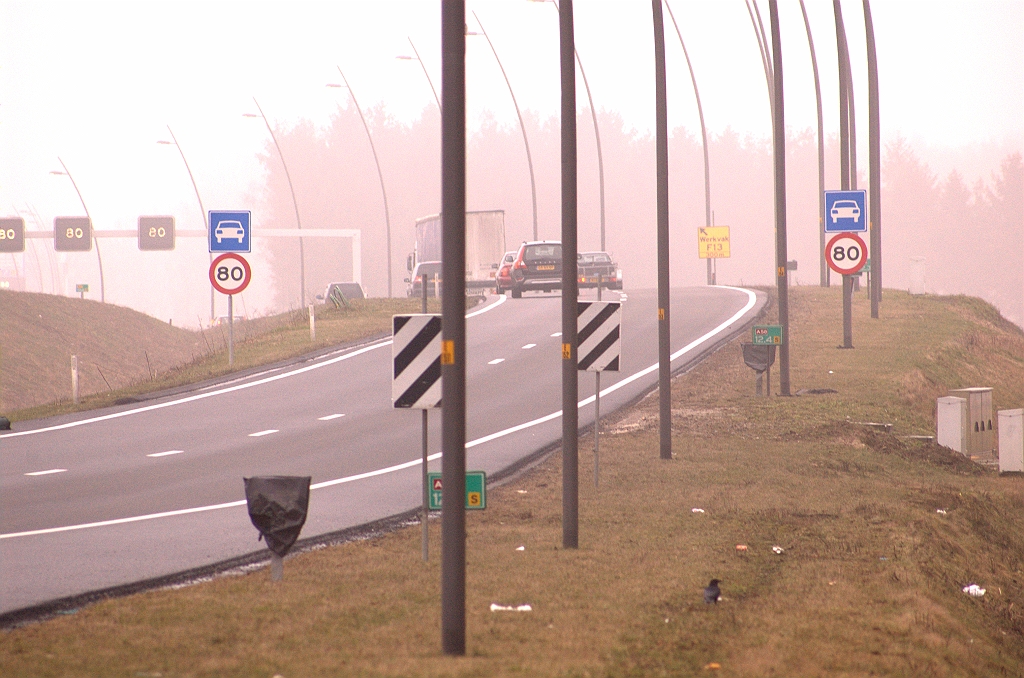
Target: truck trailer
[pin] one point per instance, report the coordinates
(485, 244)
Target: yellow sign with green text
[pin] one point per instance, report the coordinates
(713, 242)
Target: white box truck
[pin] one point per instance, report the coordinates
(485, 244)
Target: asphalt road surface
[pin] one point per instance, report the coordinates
(108, 497)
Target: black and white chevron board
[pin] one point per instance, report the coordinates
(597, 327)
(416, 361)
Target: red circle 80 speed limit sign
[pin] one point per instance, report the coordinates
(230, 273)
(846, 253)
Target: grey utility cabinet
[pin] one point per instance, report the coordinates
(1011, 441)
(981, 437)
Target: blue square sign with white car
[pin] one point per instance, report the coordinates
(230, 231)
(845, 211)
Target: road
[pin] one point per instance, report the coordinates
(104, 498)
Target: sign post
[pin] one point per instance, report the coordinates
(230, 274)
(845, 254)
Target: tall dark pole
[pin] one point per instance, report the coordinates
(597, 138)
(380, 174)
(703, 133)
(99, 259)
(874, 166)
(845, 125)
(823, 270)
(295, 203)
(781, 253)
(526, 141)
(202, 210)
(661, 152)
(570, 293)
(453, 323)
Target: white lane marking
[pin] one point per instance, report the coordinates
(329, 417)
(165, 454)
(751, 299)
(501, 300)
(495, 361)
(263, 433)
(231, 389)
(529, 346)
(557, 334)
(46, 473)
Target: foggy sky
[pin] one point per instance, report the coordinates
(97, 83)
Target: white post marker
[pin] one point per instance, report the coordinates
(230, 274)
(312, 324)
(74, 378)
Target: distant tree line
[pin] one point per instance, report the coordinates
(972, 237)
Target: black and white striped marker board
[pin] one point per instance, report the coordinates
(416, 361)
(597, 327)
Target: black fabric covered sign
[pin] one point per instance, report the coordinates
(277, 507)
(759, 357)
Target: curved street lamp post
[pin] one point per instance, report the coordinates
(302, 252)
(823, 270)
(406, 57)
(99, 259)
(703, 133)
(376, 160)
(526, 142)
(202, 210)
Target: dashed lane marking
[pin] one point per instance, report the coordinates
(529, 346)
(557, 334)
(329, 417)
(263, 433)
(48, 472)
(165, 454)
(495, 361)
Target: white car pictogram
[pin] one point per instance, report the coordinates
(845, 209)
(234, 231)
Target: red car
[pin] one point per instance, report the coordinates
(503, 278)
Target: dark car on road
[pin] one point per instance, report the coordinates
(592, 266)
(538, 266)
(430, 269)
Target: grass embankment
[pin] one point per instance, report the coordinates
(123, 354)
(869, 581)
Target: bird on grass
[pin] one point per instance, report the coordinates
(712, 594)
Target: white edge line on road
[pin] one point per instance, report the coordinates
(48, 472)
(230, 389)
(752, 298)
(165, 454)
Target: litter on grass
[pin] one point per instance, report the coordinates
(778, 549)
(510, 608)
(696, 510)
(941, 512)
(974, 590)
(741, 547)
(520, 548)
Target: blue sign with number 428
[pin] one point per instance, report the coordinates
(845, 211)
(230, 232)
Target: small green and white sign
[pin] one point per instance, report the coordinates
(81, 287)
(767, 334)
(476, 490)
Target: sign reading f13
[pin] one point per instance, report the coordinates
(416, 361)
(597, 328)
